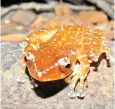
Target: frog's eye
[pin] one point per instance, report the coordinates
(65, 62)
(64, 65)
(68, 66)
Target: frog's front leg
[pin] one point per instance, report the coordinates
(34, 84)
(80, 74)
(69, 78)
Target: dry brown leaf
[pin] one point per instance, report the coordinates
(62, 10)
(39, 22)
(94, 17)
(13, 37)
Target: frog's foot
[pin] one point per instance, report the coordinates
(80, 72)
(107, 57)
(95, 69)
(80, 93)
(72, 94)
(33, 86)
(108, 63)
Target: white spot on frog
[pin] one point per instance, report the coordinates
(64, 61)
(31, 57)
(34, 47)
(73, 53)
(27, 38)
(23, 45)
(39, 74)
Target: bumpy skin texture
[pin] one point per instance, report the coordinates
(78, 44)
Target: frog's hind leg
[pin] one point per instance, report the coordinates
(97, 63)
(80, 76)
(106, 57)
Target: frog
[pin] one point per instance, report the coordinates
(63, 52)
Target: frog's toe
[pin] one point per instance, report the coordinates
(33, 86)
(72, 94)
(80, 94)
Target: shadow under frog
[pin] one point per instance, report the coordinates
(47, 89)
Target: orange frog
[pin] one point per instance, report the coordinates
(63, 52)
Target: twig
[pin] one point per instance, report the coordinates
(39, 6)
(79, 7)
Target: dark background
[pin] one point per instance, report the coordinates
(11, 2)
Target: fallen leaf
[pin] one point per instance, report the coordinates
(13, 37)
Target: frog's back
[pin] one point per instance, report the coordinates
(74, 38)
